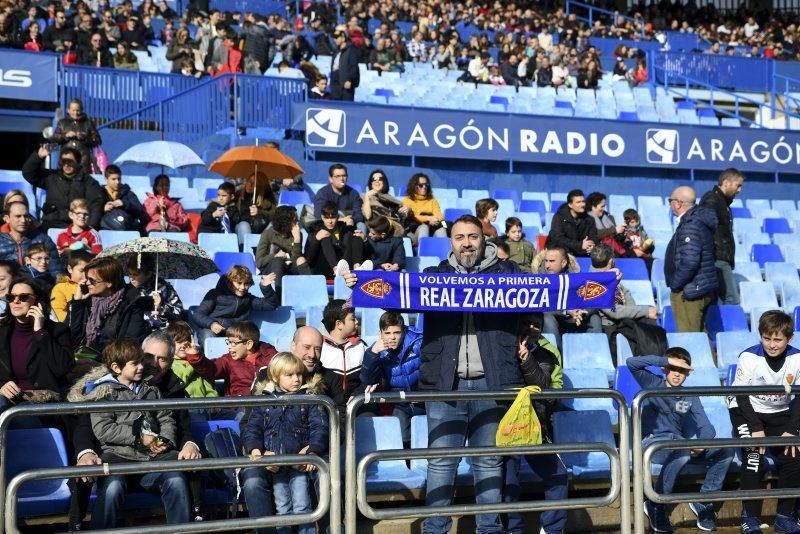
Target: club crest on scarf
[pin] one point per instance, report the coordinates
(376, 288)
(591, 290)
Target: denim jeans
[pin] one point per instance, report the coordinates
(257, 490)
(728, 289)
(554, 476)
(111, 491)
(716, 461)
(242, 229)
(451, 424)
(404, 412)
(292, 496)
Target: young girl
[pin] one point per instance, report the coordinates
(64, 290)
(292, 429)
(195, 385)
(520, 250)
(167, 305)
(486, 211)
(163, 213)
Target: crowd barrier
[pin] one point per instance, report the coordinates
(355, 491)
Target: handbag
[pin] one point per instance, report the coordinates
(520, 425)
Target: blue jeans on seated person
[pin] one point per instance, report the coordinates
(257, 490)
(292, 492)
(717, 461)
(111, 492)
(554, 477)
(451, 424)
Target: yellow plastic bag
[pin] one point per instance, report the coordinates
(520, 425)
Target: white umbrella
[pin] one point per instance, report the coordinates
(165, 153)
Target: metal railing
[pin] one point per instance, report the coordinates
(355, 483)
(643, 478)
(590, 17)
(333, 471)
(138, 468)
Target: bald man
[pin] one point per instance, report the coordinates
(689, 263)
(307, 345)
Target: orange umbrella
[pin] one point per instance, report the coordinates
(242, 161)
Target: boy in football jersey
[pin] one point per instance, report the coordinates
(678, 417)
(771, 363)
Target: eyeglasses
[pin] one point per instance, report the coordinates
(20, 297)
(678, 201)
(40, 259)
(94, 281)
(80, 213)
(232, 343)
(339, 176)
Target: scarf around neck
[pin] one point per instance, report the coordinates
(101, 309)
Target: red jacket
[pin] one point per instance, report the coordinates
(238, 374)
(90, 238)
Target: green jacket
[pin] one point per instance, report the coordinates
(557, 376)
(521, 253)
(270, 242)
(195, 385)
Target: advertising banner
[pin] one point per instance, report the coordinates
(28, 76)
(369, 129)
(460, 292)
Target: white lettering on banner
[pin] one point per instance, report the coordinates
(367, 133)
(15, 78)
(390, 133)
(527, 141)
(737, 152)
(502, 141)
(551, 143)
(418, 136)
(716, 150)
(450, 138)
(696, 150)
(780, 152)
(576, 143)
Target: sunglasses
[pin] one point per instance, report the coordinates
(68, 161)
(94, 281)
(377, 179)
(20, 297)
(426, 185)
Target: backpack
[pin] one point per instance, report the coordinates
(224, 443)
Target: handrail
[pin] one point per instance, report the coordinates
(614, 15)
(639, 475)
(78, 408)
(352, 499)
(219, 525)
(786, 80)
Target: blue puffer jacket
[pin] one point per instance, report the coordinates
(397, 369)
(689, 261)
(286, 429)
(13, 251)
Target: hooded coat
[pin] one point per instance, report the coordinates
(221, 305)
(689, 260)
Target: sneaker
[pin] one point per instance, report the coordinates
(751, 525)
(366, 266)
(705, 516)
(342, 268)
(785, 524)
(659, 522)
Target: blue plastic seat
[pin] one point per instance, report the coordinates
(251, 242)
(776, 226)
(584, 427)
(668, 319)
(37, 448)
(731, 344)
(628, 116)
(725, 318)
(587, 350)
(589, 377)
(226, 260)
(781, 273)
(428, 261)
(584, 263)
(451, 214)
(730, 374)
(175, 236)
(697, 345)
(434, 246)
(109, 238)
(213, 243)
(741, 213)
(192, 292)
(533, 206)
(201, 428)
(625, 383)
(211, 194)
(641, 291)
(382, 433)
(293, 198)
(510, 194)
(214, 347)
(796, 318)
(702, 377)
(748, 271)
(555, 204)
(757, 295)
(303, 291)
(762, 253)
(632, 268)
(278, 323)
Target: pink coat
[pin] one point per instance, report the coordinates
(177, 221)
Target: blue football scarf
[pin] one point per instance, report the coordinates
(460, 292)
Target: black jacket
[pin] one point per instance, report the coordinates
(348, 68)
(50, 358)
(87, 139)
(212, 225)
(126, 322)
(569, 232)
(88, 57)
(497, 341)
(130, 205)
(61, 191)
(724, 242)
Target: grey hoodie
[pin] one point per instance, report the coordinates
(470, 364)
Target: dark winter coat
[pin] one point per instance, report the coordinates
(348, 68)
(221, 305)
(397, 369)
(209, 224)
(126, 322)
(569, 232)
(12, 250)
(87, 138)
(130, 205)
(689, 261)
(724, 242)
(349, 202)
(389, 250)
(49, 360)
(287, 429)
(61, 191)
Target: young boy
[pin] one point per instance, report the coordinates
(678, 417)
(134, 436)
(246, 355)
(393, 361)
(541, 366)
(641, 244)
(384, 250)
(37, 265)
(185, 347)
(331, 240)
(773, 362)
(293, 429)
(520, 250)
(79, 235)
(221, 215)
(342, 353)
(64, 290)
(121, 207)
